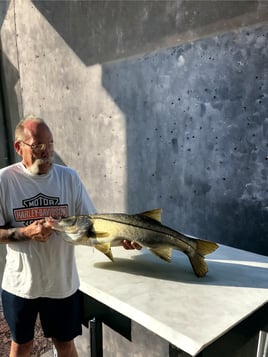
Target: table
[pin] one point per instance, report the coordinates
(195, 315)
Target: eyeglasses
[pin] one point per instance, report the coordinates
(38, 148)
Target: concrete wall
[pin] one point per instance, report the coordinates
(155, 103)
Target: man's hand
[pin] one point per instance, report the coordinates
(38, 231)
(127, 244)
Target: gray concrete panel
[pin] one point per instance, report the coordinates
(196, 118)
(109, 30)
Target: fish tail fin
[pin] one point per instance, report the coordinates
(197, 257)
(205, 247)
(199, 265)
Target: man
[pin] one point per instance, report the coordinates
(40, 275)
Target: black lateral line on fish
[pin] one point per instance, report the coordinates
(148, 229)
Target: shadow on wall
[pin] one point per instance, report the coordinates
(196, 118)
(3, 10)
(9, 80)
(195, 114)
(58, 160)
(109, 30)
(4, 155)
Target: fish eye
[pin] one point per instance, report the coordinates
(85, 221)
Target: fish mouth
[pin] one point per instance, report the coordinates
(72, 225)
(78, 225)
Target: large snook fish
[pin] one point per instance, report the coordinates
(105, 230)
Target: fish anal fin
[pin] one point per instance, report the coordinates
(105, 248)
(154, 214)
(163, 253)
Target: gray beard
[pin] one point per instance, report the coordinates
(34, 169)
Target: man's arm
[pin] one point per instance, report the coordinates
(9, 235)
(37, 231)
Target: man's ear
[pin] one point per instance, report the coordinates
(17, 147)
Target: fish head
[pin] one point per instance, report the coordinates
(76, 228)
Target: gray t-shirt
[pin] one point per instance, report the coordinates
(35, 269)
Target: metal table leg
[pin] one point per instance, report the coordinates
(95, 331)
(263, 344)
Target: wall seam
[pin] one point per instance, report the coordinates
(18, 57)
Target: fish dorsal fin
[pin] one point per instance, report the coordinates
(163, 253)
(105, 248)
(154, 214)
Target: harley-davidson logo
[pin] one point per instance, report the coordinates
(41, 200)
(40, 206)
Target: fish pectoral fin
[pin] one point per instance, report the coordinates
(163, 253)
(101, 234)
(105, 248)
(154, 214)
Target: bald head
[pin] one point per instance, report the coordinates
(34, 143)
(30, 126)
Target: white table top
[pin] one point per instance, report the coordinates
(169, 300)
